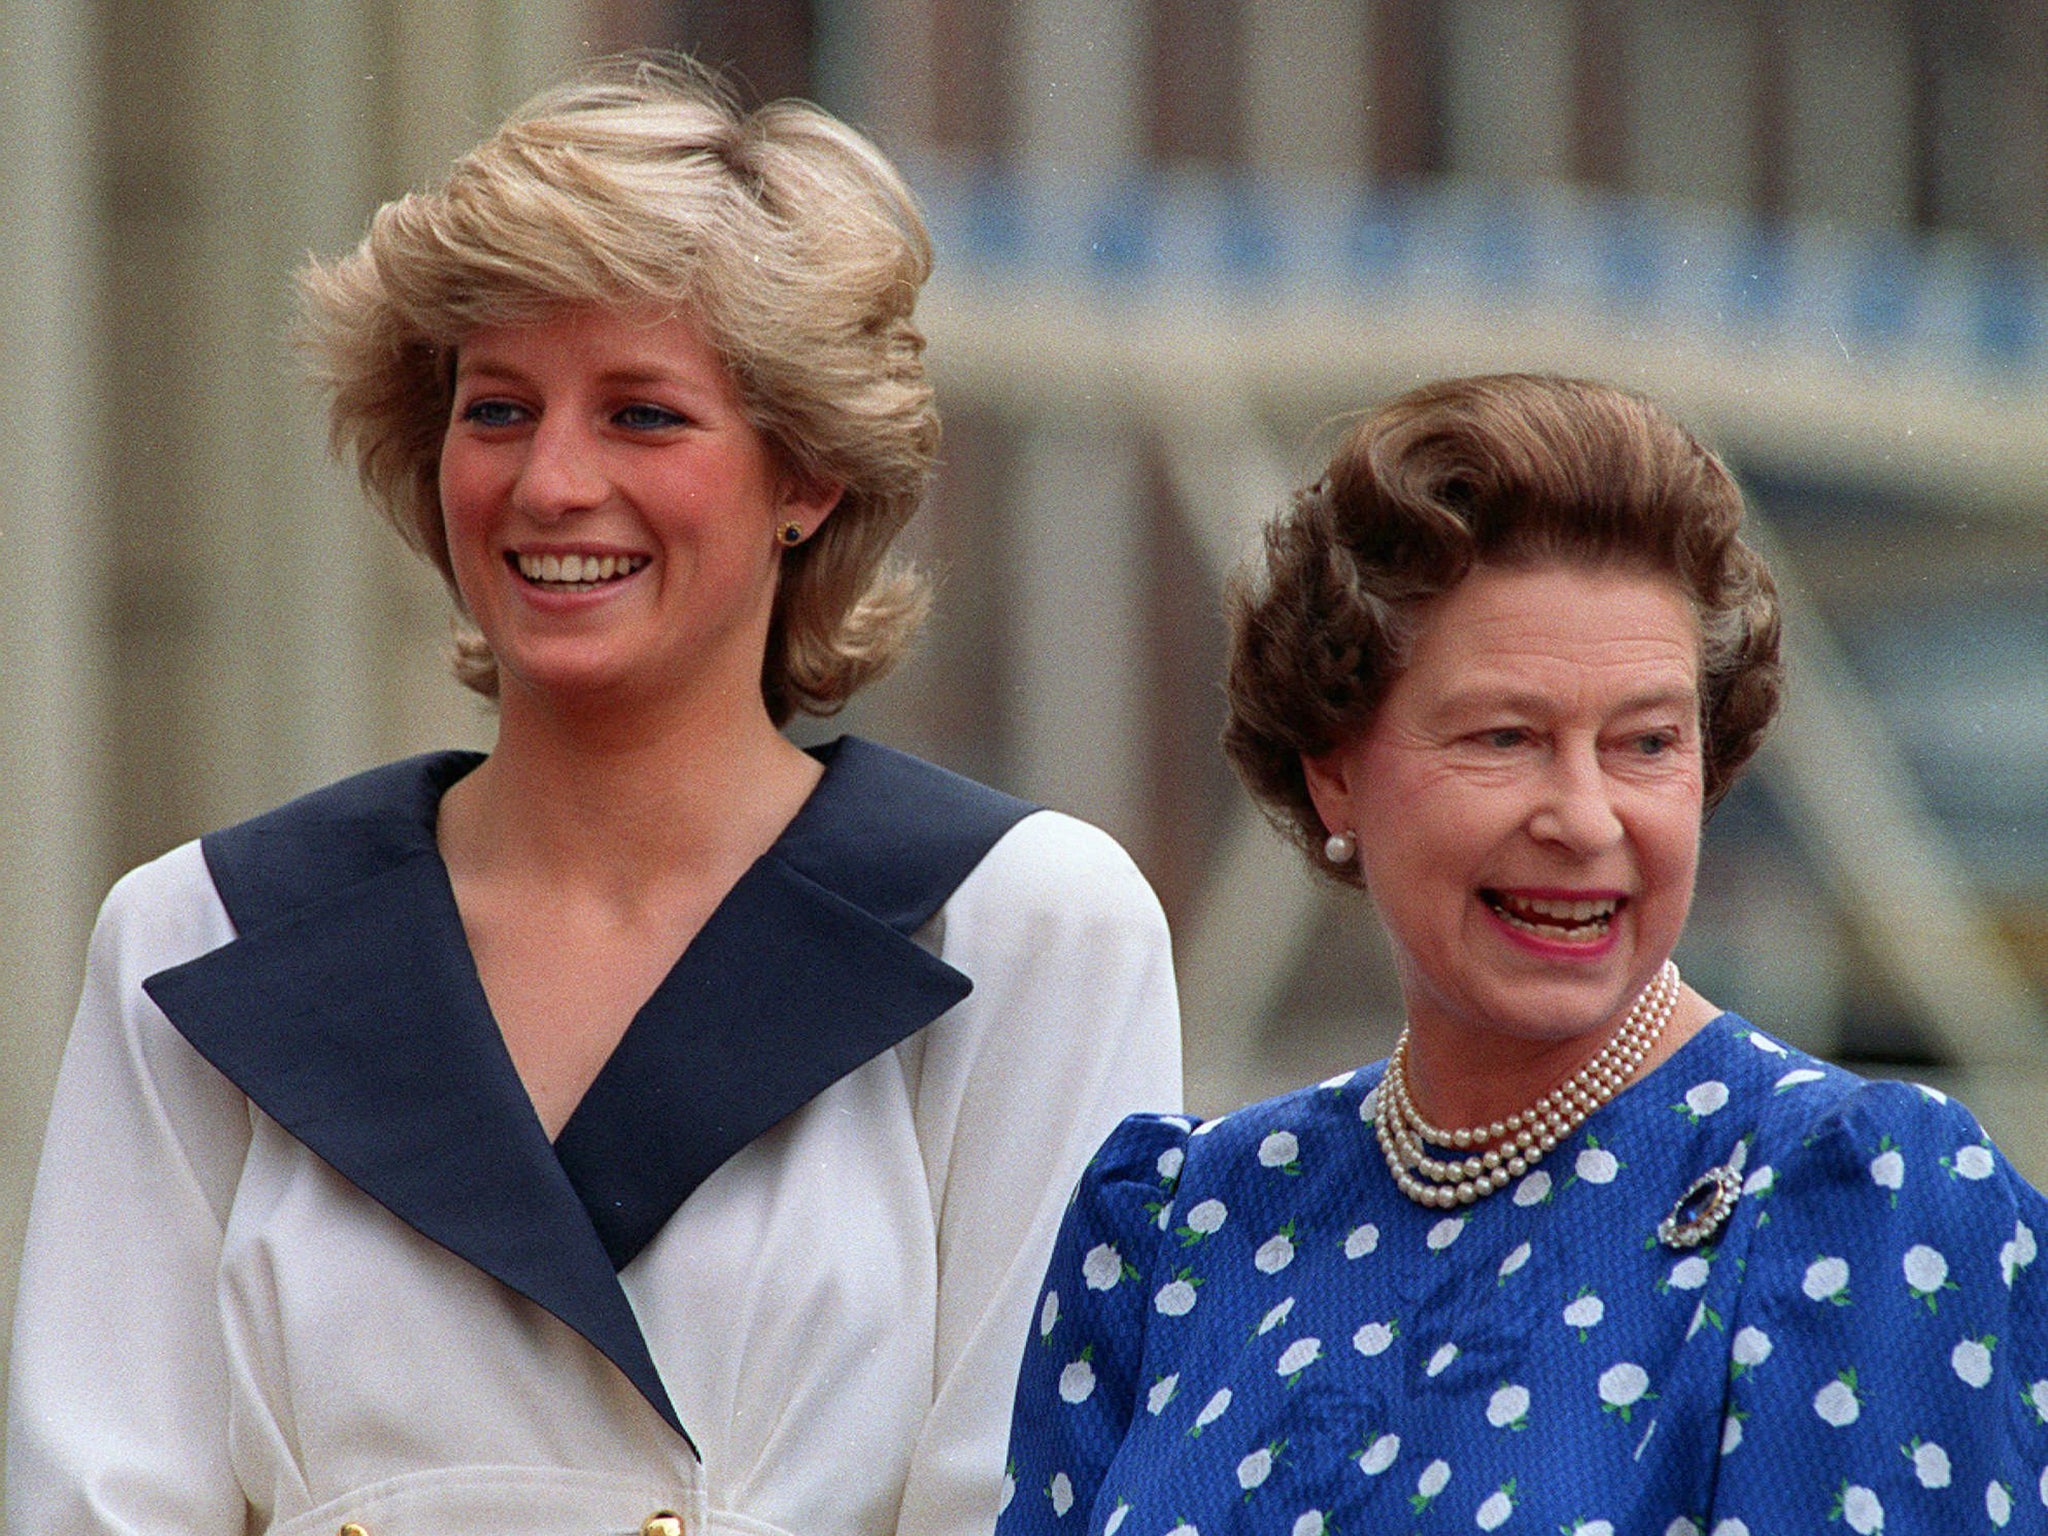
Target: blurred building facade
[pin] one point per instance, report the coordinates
(1178, 238)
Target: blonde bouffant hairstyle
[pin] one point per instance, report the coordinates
(784, 235)
(1510, 470)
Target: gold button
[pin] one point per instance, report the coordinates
(351, 1529)
(663, 1522)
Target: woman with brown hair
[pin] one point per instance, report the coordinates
(1585, 1254)
(650, 1124)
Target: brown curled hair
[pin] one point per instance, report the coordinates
(785, 236)
(1510, 470)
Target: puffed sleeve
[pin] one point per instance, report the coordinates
(1079, 1387)
(1889, 1359)
(118, 1381)
(1073, 1024)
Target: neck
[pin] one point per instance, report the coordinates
(620, 800)
(1474, 1079)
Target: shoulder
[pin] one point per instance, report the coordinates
(1836, 1155)
(1131, 1180)
(1311, 1131)
(159, 914)
(332, 837)
(1807, 1107)
(1053, 863)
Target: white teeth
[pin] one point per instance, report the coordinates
(1563, 911)
(578, 570)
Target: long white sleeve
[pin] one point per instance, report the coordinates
(117, 1414)
(1073, 1023)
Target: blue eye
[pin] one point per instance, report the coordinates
(646, 417)
(492, 413)
(1656, 743)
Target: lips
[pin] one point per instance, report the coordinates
(1559, 919)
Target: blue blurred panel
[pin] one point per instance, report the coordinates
(1377, 237)
(2008, 311)
(1762, 281)
(1249, 247)
(1631, 254)
(1123, 231)
(1884, 290)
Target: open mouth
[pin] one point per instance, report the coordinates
(1562, 920)
(575, 573)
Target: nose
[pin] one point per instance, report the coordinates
(562, 472)
(1576, 810)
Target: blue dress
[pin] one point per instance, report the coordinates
(1247, 1328)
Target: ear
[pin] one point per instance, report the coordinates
(1331, 777)
(808, 500)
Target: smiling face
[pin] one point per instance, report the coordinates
(1527, 802)
(611, 513)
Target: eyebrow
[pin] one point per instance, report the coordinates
(1687, 698)
(631, 376)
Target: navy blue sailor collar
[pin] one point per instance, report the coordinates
(349, 1010)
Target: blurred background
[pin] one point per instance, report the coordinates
(1179, 240)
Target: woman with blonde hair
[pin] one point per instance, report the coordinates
(650, 1125)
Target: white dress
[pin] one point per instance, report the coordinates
(304, 1257)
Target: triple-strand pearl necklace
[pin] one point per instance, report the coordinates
(1516, 1144)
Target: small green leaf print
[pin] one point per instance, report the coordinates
(1103, 1267)
(1827, 1279)
(1585, 1312)
(1971, 1360)
(1688, 1274)
(1513, 1264)
(1048, 1316)
(1211, 1412)
(1508, 1408)
(1927, 1275)
(1176, 1298)
(1622, 1386)
(1702, 1100)
(1204, 1220)
(1731, 1430)
(1998, 1503)
(1375, 1338)
(1594, 1164)
(2036, 1398)
(1276, 1252)
(1432, 1482)
(1858, 1508)
(1253, 1471)
(1077, 1381)
(1838, 1403)
(1275, 1316)
(1888, 1169)
(1377, 1454)
(1499, 1504)
(1280, 1150)
(1750, 1348)
(1971, 1162)
(1298, 1357)
(1930, 1462)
